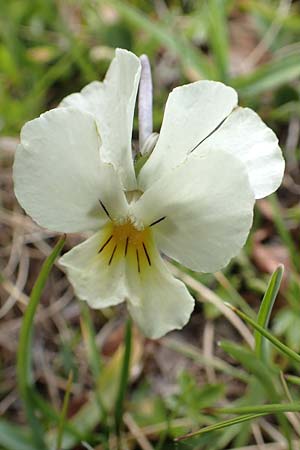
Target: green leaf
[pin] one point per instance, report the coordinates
(266, 309)
(12, 438)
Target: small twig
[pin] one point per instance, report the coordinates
(19, 286)
(137, 432)
(257, 435)
(293, 417)
(205, 294)
(145, 102)
(292, 143)
(269, 37)
(208, 348)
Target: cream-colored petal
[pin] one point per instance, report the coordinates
(157, 301)
(207, 206)
(244, 135)
(192, 112)
(112, 103)
(95, 280)
(59, 177)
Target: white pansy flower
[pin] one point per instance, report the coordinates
(193, 199)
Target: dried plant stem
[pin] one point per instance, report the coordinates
(207, 295)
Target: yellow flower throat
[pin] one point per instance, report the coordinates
(125, 240)
(128, 241)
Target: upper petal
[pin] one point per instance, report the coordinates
(157, 301)
(93, 278)
(245, 135)
(207, 203)
(112, 103)
(59, 177)
(192, 112)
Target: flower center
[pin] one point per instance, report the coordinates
(126, 240)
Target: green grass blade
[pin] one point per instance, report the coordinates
(267, 375)
(265, 310)
(50, 413)
(219, 426)
(64, 411)
(293, 379)
(193, 353)
(119, 405)
(279, 345)
(259, 409)
(218, 36)
(249, 361)
(94, 358)
(24, 359)
(269, 76)
(189, 55)
(283, 231)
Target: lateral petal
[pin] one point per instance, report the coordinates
(59, 176)
(201, 211)
(244, 135)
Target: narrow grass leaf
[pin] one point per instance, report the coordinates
(24, 357)
(189, 55)
(254, 366)
(64, 411)
(87, 417)
(94, 358)
(51, 414)
(293, 379)
(283, 231)
(265, 310)
(218, 36)
(259, 409)
(279, 345)
(219, 426)
(266, 375)
(269, 75)
(192, 352)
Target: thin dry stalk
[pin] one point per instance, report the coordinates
(137, 432)
(208, 350)
(205, 294)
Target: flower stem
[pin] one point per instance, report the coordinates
(119, 405)
(145, 102)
